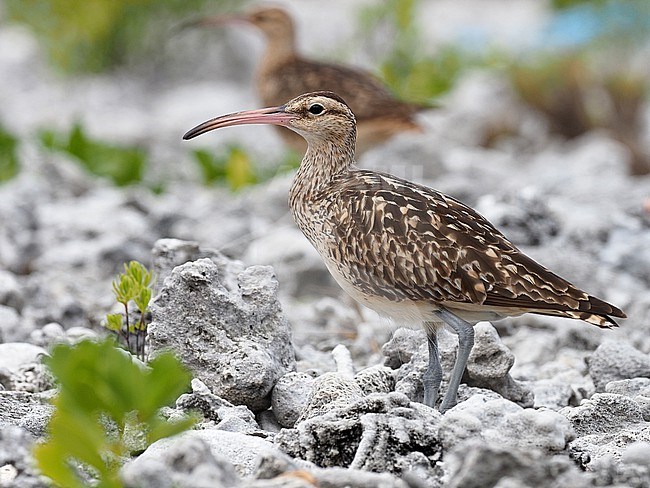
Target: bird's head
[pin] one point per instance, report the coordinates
(274, 22)
(320, 117)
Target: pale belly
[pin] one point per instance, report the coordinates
(405, 312)
(409, 312)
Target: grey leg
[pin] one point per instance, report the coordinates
(465, 332)
(433, 375)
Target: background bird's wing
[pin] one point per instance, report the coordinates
(365, 95)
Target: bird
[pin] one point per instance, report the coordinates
(406, 250)
(283, 74)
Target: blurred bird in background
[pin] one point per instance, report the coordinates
(283, 74)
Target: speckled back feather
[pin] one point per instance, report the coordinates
(409, 242)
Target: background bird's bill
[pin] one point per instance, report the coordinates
(214, 21)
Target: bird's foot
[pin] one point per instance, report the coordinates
(448, 402)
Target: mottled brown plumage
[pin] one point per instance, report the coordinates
(283, 74)
(404, 249)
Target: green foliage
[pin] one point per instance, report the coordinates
(553, 85)
(409, 69)
(235, 168)
(102, 387)
(564, 4)
(9, 165)
(94, 35)
(426, 77)
(123, 165)
(114, 322)
(576, 95)
(134, 285)
(587, 74)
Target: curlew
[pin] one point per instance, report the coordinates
(283, 74)
(406, 250)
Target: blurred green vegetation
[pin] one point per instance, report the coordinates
(106, 410)
(581, 71)
(564, 89)
(9, 165)
(123, 165)
(234, 167)
(96, 35)
(590, 75)
(579, 75)
(410, 69)
(561, 4)
(576, 96)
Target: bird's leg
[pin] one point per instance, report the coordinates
(433, 375)
(465, 332)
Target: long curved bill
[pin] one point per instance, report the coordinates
(272, 115)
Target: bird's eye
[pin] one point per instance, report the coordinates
(316, 109)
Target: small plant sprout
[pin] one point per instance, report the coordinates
(134, 285)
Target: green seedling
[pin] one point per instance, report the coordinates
(132, 286)
(107, 410)
(410, 68)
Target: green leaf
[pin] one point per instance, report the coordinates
(233, 167)
(114, 322)
(143, 299)
(53, 462)
(125, 288)
(239, 169)
(411, 69)
(213, 169)
(80, 436)
(140, 274)
(404, 10)
(101, 385)
(9, 165)
(166, 381)
(161, 429)
(135, 284)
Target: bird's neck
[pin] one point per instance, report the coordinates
(322, 164)
(279, 50)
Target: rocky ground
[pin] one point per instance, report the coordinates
(297, 387)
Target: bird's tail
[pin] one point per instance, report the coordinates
(598, 312)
